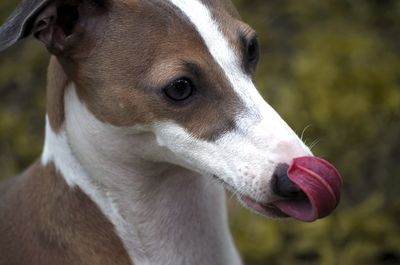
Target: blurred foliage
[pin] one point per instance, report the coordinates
(22, 101)
(332, 67)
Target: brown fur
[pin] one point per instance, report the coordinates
(57, 82)
(45, 222)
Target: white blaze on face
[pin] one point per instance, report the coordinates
(246, 157)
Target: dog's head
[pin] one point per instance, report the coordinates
(179, 73)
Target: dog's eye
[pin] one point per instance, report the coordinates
(253, 51)
(179, 90)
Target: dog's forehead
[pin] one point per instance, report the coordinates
(153, 33)
(215, 5)
(222, 11)
(219, 7)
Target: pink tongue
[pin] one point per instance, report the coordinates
(320, 181)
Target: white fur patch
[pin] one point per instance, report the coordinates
(57, 149)
(164, 214)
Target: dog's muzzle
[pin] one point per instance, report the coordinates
(309, 190)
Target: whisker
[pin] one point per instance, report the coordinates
(314, 143)
(304, 131)
(237, 191)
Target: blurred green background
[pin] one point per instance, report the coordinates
(330, 66)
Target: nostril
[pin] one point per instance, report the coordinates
(283, 186)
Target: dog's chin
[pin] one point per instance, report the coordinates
(266, 210)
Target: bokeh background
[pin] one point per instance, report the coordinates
(332, 69)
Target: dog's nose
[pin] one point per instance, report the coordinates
(283, 186)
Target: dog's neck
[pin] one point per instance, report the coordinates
(162, 213)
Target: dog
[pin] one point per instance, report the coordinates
(151, 114)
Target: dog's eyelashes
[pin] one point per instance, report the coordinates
(179, 90)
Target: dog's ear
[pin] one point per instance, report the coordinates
(19, 24)
(54, 22)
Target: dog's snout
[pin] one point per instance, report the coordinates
(283, 186)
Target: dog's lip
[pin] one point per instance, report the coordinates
(264, 209)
